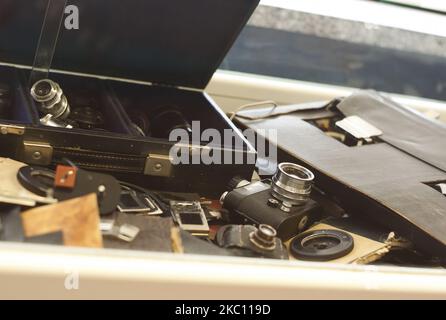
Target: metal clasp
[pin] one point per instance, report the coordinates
(158, 165)
(37, 153)
(125, 232)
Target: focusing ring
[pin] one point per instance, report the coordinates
(292, 183)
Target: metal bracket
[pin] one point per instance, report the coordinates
(9, 129)
(158, 165)
(359, 128)
(39, 153)
(125, 232)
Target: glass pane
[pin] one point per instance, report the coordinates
(354, 43)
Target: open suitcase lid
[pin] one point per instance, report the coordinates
(170, 42)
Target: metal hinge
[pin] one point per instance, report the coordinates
(10, 129)
(158, 165)
(40, 153)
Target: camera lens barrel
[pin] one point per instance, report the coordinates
(264, 237)
(50, 99)
(292, 183)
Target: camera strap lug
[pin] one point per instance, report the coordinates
(38, 153)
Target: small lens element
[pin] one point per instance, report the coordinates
(50, 99)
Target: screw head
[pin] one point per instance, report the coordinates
(273, 203)
(158, 166)
(302, 223)
(4, 130)
(37, 155)
(286, 207)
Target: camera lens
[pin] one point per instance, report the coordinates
(87, 118)
(50, 98)
(43, 89)
(165, 119)
(264, 237)
(266, 232)
(292, 183)
(297, 173)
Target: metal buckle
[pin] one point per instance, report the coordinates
(359, 128)
(158, 165)
(125, 232)
(37, 153)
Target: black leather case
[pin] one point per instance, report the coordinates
(391, 181)
(135, 54)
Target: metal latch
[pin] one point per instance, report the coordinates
(158, 165)
(37, 153)
(359, 128)
(10, 129)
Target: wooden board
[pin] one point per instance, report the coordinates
(77, 218)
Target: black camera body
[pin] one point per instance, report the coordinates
(263, 203)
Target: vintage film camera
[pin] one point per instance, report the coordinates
(283, 202)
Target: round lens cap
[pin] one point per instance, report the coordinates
(322, 245)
